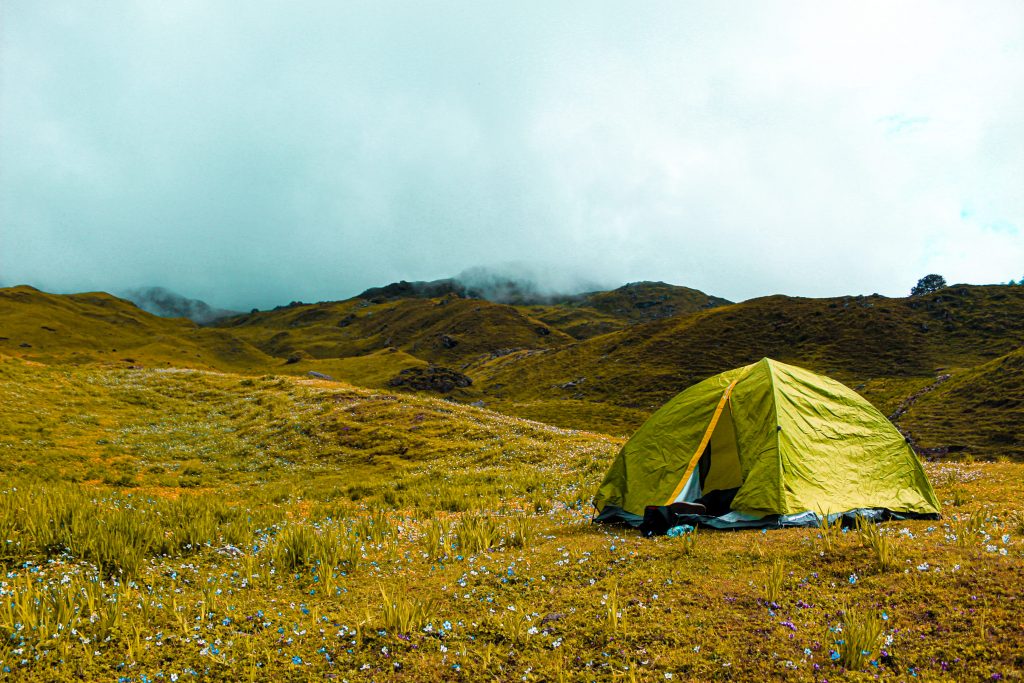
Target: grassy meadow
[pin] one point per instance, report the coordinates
(178, 525)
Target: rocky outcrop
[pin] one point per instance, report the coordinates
(432, 378)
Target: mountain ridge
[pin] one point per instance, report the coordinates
(577, 366)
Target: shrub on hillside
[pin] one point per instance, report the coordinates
(928, 284)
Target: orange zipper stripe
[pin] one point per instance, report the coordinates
(703, 442)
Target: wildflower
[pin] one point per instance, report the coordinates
(853, 578)
(296, 660)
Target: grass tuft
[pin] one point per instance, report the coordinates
(402, 614)
(882, 547)
(775, 580)
(860, 633)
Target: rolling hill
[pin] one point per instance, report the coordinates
(595, 313)
(98, 327)
(449, 330)
(546, 361)
(979, 410)
(886, 348)
(582, 315)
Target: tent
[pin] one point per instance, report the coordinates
(765, 445)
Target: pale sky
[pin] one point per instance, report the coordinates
(253, 152)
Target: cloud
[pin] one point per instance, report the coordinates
(250, 154)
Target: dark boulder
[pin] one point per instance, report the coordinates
(432, 378)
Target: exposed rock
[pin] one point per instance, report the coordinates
(432, 378)
(297, 356)
(449, 342)
(319, 375)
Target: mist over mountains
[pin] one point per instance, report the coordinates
(514, 285)
(167, 304)
(518, 286)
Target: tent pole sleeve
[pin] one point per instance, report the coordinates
(703, 442)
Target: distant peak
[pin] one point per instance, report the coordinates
(167, 304)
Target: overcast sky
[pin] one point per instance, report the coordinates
(254, 152)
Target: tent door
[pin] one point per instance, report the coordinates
(723, 459)
(689, 487)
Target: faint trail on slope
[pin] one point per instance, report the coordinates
(909, 401)
(905, 406)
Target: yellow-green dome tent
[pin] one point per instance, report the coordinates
(767, 444)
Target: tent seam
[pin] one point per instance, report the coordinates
(783, 498)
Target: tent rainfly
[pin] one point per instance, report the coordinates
(765, 445)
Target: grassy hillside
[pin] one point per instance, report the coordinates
(885, 348)
(99, 327)
(978, 411)
(595, 313)
(178, 428)
(579, 315)
(448, 331)
(186, 525)
(521, 363)
(643, 301)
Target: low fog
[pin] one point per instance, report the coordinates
(251, 154)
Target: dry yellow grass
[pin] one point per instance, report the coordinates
(274, 528)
